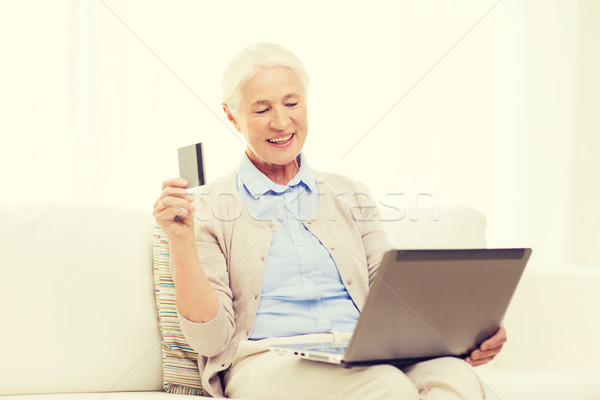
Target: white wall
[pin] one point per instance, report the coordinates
(470, 101)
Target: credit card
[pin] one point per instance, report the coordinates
(191, 164)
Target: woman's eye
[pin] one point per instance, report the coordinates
(291, 104)
(264, 110)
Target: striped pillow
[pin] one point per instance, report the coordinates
(180, 367)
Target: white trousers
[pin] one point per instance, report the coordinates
(257, 373)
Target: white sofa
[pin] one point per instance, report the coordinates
(79, 317)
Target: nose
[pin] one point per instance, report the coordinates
(279, 119)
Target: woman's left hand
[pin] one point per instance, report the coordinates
(488, 349)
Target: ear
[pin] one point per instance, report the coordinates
(231, 117)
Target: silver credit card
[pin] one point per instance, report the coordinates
(191, 164)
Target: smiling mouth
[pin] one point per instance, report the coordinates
(281, 139)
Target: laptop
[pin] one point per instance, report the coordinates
(425, 304)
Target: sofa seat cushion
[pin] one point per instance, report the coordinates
(504, 384)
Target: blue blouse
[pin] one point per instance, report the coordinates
(302, 291)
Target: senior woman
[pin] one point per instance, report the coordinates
(277, 252)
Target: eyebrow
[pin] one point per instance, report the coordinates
(264, 102)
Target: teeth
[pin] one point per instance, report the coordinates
(280, 139)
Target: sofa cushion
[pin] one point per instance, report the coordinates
(77, 302)
(180, 366)
(437, 227)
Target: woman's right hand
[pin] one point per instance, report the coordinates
(174, 211)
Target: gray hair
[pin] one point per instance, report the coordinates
(251, 60)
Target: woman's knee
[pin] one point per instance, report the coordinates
(449, 374)
(382, 382)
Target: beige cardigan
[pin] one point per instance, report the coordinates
(233, 247)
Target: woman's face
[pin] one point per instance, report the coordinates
(272, 117)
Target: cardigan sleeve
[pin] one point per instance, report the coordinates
(211, 337)
(374, 237)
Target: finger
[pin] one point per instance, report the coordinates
(183, 205)
(478, 354)
(158, 206)
(498, 339)
(173, 213)
(176, 182)
(178, 202)
(170, 216)
(177, 191)
(477, 363)
(172, 193)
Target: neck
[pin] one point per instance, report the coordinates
(280, 174)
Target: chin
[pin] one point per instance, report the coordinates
(283, 158)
